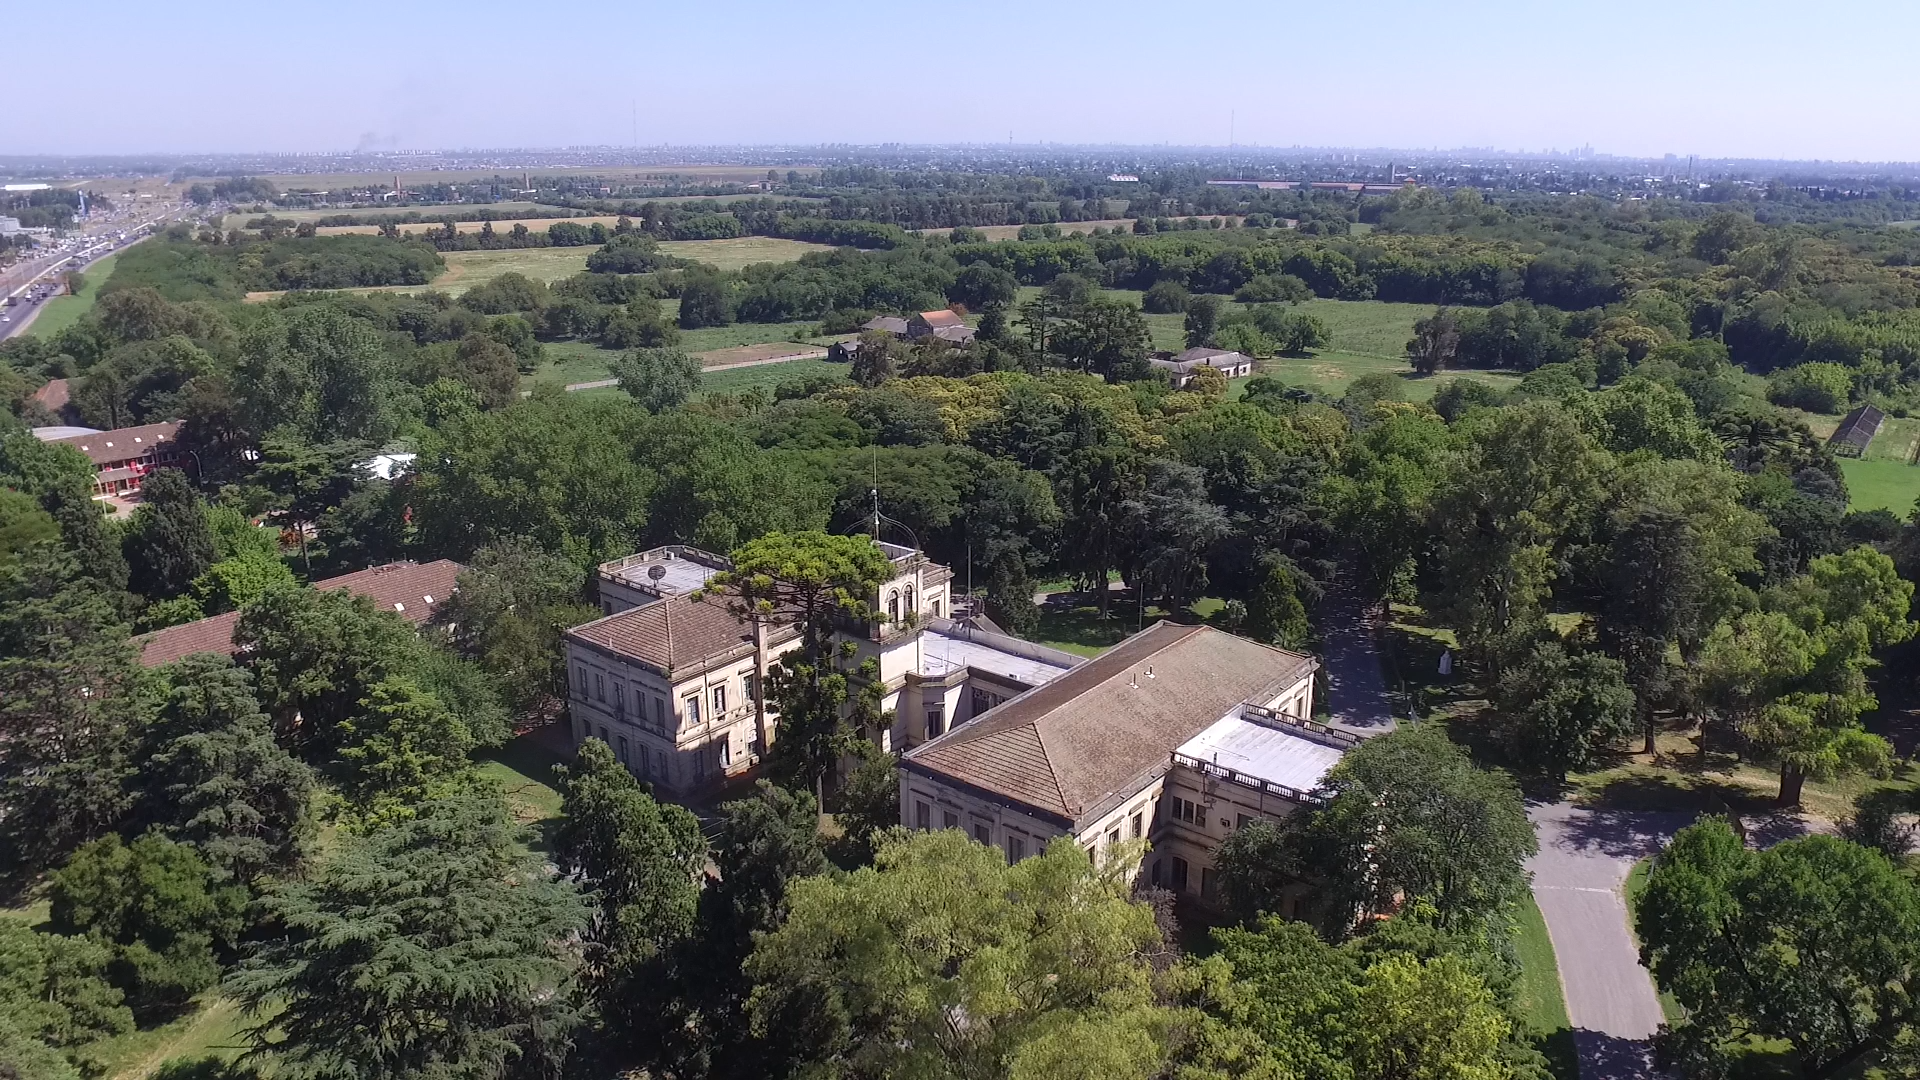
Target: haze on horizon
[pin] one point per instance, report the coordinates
(1754, 79)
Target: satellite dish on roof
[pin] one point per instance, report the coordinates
(656, 571)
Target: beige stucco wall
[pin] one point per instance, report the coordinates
(1152, 799)
(673, 753)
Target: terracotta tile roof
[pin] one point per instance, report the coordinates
(214, 635)
(414, 591)
(121, 444)
(938, 319)
(1065, 746)
(54, 395)
(701, 633)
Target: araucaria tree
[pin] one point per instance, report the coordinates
(814, 581)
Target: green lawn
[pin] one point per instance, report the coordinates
(736, 252)
(1637, 884)
(457, 211)
(1332, 371)
(63, 311)
(524, 767)
(1898, 439)
(738, 380)
(1881, 485)
(213, 1029)
(1541, 1000)
(1079, 628)
(580, 361)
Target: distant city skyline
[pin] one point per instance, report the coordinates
(1763, 79)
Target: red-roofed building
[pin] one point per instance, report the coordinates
(123, 457)
(413, 591)
(945, 325)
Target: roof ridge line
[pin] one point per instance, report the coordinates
(1053, 773)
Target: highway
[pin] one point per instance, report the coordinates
(19, 280)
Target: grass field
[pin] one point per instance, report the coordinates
(524, 767)
(1542, 1001)
(214, 1029)
(1881, 485)
(1012, 232)
(706, 174)
(739, 251)
(466, 269)
(739, 380)
(578, 361)
(63, 311)
(533, 224)
(239, 218)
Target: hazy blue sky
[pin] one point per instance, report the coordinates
(1757, 78)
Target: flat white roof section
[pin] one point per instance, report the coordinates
(940, 654)
(1264, 752)
(683, 574)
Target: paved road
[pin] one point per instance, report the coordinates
(1357, 695)
(1579, 880)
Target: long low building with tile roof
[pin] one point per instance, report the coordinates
(123, 457)
(413, 591)
(1178, 736)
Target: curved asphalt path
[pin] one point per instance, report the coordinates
(1579, 881)
(1579, 875)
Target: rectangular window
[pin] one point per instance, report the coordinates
(923, 817)
(599, 686)
(623, 749)
(1243, 822)
(1113, 839)
(619, 701)
(603, 736)
(660, 712)
(1016, 850)
(1179, 883)
(1154, 874)
(949, 820)
(983, 700)
(719, 700)
(692, 709)
(726, 753)
(1136, 825)
(646, 762)
(983, 833)
(580, 680)
(936, 721)
(746, 688)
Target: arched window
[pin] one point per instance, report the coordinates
(909, 601)
(893, 606)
